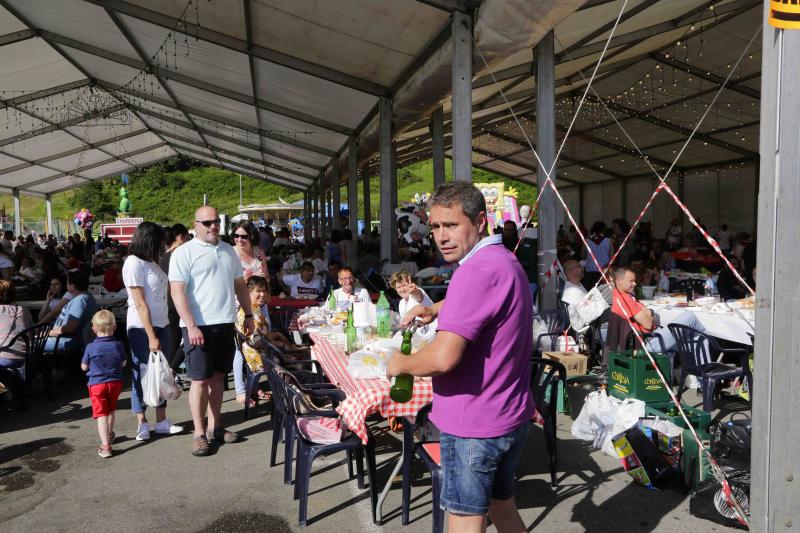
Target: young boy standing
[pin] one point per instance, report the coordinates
(103, 360)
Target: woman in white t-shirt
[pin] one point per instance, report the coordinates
(147, 318)
(304, 285)
(347, 293)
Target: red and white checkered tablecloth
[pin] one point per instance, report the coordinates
(365, 396)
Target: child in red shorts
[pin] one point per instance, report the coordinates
(103, 361)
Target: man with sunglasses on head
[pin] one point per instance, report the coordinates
(205, 274)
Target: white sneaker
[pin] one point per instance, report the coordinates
(143, 432)
(165, 427)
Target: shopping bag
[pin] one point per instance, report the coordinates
(590, 308)
(642, 460)
(157, 381)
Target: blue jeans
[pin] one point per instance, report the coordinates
(15, 365)
(140, 353)
(475, 471)
(239, 372)
(687, 318)
(65, 344)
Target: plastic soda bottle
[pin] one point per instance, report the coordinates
(331, 302)
(350, 334)
(403, 385)
(384, 317)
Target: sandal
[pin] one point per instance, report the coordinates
(223, 436)
(264, 395)
(104, 451)
(240, 399)
(200, 446)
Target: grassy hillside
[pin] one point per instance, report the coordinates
(170, 192)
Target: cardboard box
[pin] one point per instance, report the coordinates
(575, 363)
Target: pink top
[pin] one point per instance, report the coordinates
(488, 393)
(254, 267)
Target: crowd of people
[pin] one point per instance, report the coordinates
(648, 256)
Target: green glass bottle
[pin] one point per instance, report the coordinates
(350, 334)
(403, 385)
(384, 317)
(331, 303)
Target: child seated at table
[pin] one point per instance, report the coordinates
(256, 345)
(410, 294)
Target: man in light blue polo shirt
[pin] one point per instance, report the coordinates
(205, 278)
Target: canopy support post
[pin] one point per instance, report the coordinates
(436, 128)
(544, 58)
(352, 187)
(775, 472)
(462, 96)
(366, 197)
(388, 184)
(48, 205)
(336, 194)
(17, 213)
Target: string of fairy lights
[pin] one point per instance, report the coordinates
(112, 106)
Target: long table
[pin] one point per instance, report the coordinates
(733, 327)
(365, 396)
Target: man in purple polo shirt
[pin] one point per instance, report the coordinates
(480, 360)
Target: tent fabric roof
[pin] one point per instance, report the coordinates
(274, 88)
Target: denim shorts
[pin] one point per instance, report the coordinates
(475, 471)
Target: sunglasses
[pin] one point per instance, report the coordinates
(209, 223)
(240, 236)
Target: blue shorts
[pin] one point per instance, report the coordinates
(475, 471)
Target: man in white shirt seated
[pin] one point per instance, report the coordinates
(573, 290)
(410, 294)
(304, 285)
(347, 293)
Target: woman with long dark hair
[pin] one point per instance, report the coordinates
(148, 320)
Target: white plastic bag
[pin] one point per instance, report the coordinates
(603, 417)
(587, 310)
(626, 415)
(368, 363)
(157, 381)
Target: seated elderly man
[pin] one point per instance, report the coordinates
(625, 305)
(74, 319)
(573, 290)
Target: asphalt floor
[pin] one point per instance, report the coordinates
(51, 479)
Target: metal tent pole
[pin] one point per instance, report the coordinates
(387, 183)
(437, 136)
(775, 488)
(48, 204)
(336, 195)
(546, 146)
(462, 96)
(17, 213)
(352, 187)
(365, 183)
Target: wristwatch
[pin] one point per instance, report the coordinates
(248, 315)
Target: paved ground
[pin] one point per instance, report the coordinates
(51, 479)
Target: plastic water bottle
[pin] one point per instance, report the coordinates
(403, 385)
(384, 317)
(663, 282)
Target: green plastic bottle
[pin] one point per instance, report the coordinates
(403, 385)
(350, 334)
(384, 317)
(331, 303)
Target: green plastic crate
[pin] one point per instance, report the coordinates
(634, 377)
(699, 418)
(694, 464)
